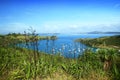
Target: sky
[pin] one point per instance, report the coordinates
(59, 16)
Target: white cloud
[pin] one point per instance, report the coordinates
(14, 27)
(60, 27)
(78, 27)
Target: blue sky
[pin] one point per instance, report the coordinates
(59, 16)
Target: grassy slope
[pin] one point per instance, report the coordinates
(103, 42)
(18, 64)
(22, 37)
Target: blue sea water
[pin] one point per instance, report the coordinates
(65, 44)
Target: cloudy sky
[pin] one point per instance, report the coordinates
(59, 16)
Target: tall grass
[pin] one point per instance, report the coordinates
(22, 64)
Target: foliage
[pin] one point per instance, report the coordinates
(103, 42)
(21, 64)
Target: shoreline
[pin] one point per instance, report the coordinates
(102, 42)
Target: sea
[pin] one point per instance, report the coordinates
(65, 44)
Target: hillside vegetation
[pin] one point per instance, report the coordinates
(103, 42)
(23, 64)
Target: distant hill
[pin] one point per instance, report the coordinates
(98, 32)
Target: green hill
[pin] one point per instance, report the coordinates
(102, 42)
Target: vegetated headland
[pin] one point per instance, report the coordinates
(102, 42)
(22, 37)
(18, 63)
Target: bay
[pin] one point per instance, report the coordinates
(65, 45)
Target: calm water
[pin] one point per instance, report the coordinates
(65, 44)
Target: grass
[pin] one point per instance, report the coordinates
(21, 37)
(103, 42)
(19, 64)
